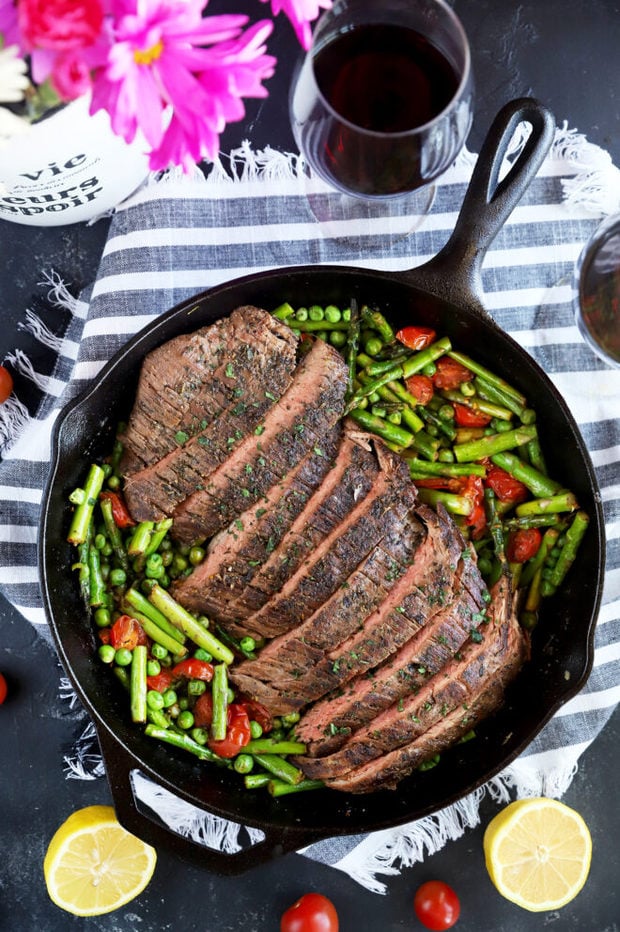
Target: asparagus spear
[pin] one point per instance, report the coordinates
(573, 537)
(86, 499)
(190, 626)
(137, 683)
(219, 688)
(538, 484)
(492, 444)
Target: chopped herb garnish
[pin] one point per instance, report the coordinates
(259, 430)
(181, 436)
(476, 637)
(230, 372)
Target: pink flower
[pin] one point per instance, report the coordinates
(178, 77)
(71, 75)
(9, 29)
(60, 24)
(301, 13)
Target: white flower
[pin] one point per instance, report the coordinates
(13, 78)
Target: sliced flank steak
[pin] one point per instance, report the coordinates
(194, 380)
(298, 423)
(385, 507)
(245, 567)
(472, 690)
(301, 665)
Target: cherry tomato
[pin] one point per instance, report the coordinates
(6, 384)
(505, 486)
(416, 338)
(237, 733)
(257, 713)
(161, 681)
(127, 632)
(421, 387)
(312, 912)
(473, 489)
(203, 710)
(194, 669)
(120, 512)
(523, 544)
(450, 373)
(3, 688)
(436, 905)
(467, 417)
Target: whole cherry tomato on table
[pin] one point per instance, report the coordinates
(312, 912)
(6, 384)
(436, 905)
(3, 688)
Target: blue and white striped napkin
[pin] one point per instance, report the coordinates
(177, 237)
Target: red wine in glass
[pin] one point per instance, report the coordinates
(381, 108)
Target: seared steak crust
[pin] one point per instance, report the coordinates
(305, 414)
(191, 382)
(235, 555)
(473, 689)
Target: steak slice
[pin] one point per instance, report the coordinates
(404, 673)
(348, 483)
(299, 422)
(279, 674)
(235, 556)
(409, 718)
(391, 497)
(484, 682)
(431, 587)
(184, 385)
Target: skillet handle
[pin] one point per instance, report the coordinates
(454, 274)
(137, 818)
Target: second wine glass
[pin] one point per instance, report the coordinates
(382, 105)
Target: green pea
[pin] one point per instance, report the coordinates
(338, 338)
(468, 389)
(316, 312)
(290, 719)
(346, 314)
(373, 346)
(230, 695)
(247, 643)
(429, 370)
(170, 698)
(243, 763)
(153, 667)
(167, 557)
(159, 652)
(114, 483)
(185, 720)
(196, 687)
(118, 577)
(106, 653)
(154, 699)
(202, 654)
(196, 555)
(200, 735)
(184, 703)
(332, 314)
(123, 657)
(301, 313)
(179, 563)
(100, 541)
(102, 617)
(256, 730)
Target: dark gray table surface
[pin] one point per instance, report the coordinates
(565, 52)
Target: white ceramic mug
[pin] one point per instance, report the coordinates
(68, 168)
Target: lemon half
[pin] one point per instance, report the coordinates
(538, 853)
(93, 865)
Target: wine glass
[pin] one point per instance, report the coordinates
(381, 106)
(597, 291)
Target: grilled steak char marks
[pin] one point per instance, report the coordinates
(377, 620)
(299, 422)
(192, 381)
(483, 682)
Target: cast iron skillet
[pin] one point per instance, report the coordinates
(445, 293)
